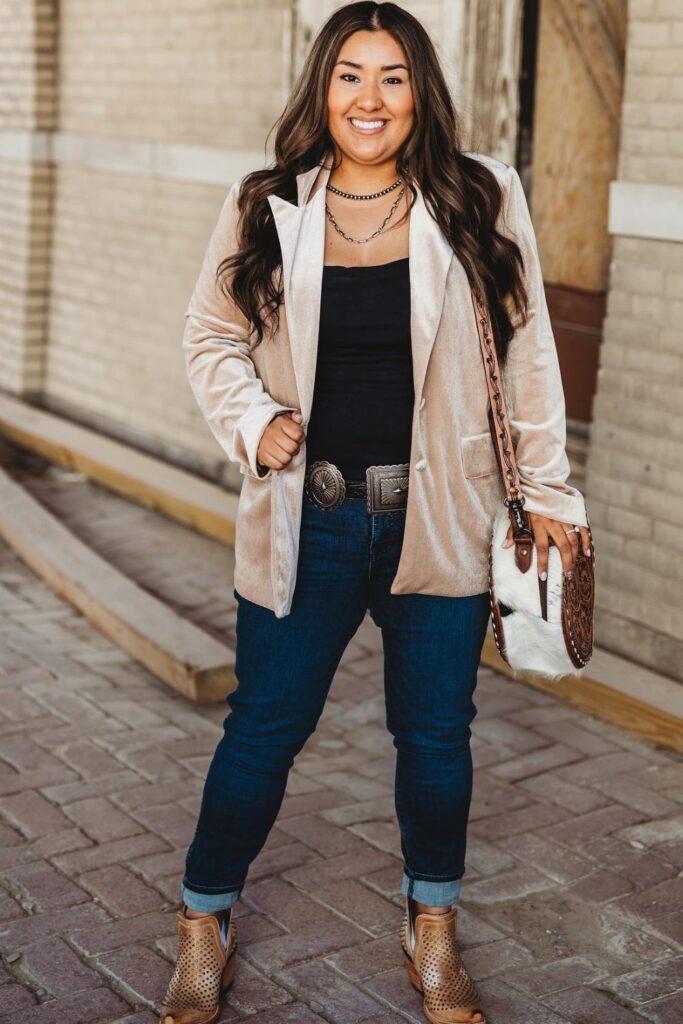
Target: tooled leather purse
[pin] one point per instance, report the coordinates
(539, 627)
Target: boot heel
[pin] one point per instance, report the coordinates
(412, 973)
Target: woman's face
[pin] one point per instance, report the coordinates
(370, 99)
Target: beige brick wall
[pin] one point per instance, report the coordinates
(173, 71)
(25, 219)
(127, 250)
(27, 105)
(652, 124)
(635, 463)
(128, 246)
(17, 86)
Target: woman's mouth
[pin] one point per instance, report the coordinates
(366, 127)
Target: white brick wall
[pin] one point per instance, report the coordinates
(635, 463)
(127, 251)
(652, 121)
(173, 71)
(127, 247)
(16, 64)
(27, 103)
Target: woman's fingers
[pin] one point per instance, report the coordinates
(541, 541)
(289, 427)
(565, 538)
(266, 458)
(585, 540)
(561, 539)
(573, 536)
(281, 440)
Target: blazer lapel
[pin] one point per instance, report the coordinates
(301, 231)
(430, 257)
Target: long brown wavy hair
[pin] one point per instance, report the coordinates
(463, 193)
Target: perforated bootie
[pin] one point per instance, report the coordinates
(205, 968)
(436, 969)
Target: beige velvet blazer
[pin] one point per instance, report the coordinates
(454, 486)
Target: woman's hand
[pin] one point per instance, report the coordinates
(563, 535)
(280, 441)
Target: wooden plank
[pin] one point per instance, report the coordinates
(178, 494)
(601, 46)
(660, 725)
(175, 650)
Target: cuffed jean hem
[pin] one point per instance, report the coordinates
(433, 894)
(208, 902)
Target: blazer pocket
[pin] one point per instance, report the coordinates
(478, 455)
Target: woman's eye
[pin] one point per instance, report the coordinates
(349, 74)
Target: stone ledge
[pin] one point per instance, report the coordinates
(206, 165)
(614, 689)
(172, 648)
(149, 481)
(642, 210)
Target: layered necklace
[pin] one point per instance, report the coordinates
(371, 195)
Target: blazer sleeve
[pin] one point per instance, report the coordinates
(533, 384)
(222, 375)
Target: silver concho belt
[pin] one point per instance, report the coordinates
(385, 488)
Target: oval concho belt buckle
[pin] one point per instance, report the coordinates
(325, 484)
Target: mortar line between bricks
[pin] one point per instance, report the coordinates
(314, 1006)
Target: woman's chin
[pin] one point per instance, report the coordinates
(368, 149)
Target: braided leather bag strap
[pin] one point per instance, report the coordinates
(502, 437)
(578, 591)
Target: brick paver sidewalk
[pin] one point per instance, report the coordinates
(571, 907)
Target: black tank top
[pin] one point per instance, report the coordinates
(363, 398)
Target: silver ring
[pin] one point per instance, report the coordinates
(574, 529)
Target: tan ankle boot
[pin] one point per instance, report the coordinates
(435, 967)
(205, 968)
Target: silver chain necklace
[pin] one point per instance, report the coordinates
(361, 241)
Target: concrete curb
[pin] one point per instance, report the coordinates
(184, 656)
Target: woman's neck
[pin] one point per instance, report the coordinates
(360, 180)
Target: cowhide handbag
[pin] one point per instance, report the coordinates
(541, 627)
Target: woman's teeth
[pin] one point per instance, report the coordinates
(367, 126)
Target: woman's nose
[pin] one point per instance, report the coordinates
(370, 99)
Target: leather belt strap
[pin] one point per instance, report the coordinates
(356, 489)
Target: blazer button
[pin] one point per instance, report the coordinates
(420, 464)
(422, 403)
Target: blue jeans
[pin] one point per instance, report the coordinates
(284, 667)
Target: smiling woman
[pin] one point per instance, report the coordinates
(375, 63)
(393, 90)
(370, 480)
(370, 115)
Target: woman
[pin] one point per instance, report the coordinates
(332, 346)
